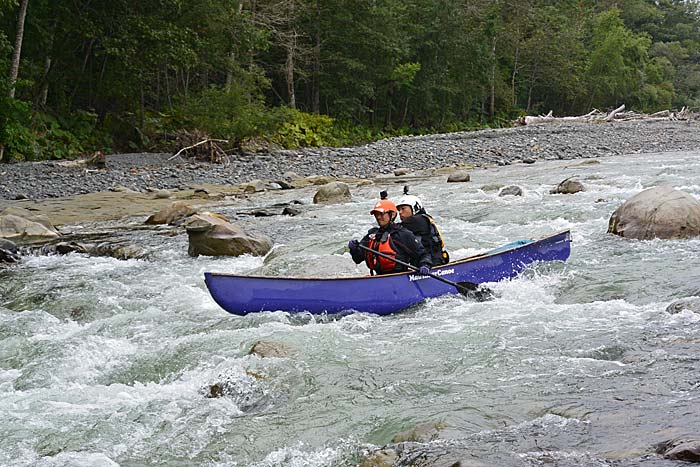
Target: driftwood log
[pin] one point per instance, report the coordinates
(199, 146)
(619, 114)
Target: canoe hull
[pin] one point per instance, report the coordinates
(382, 295)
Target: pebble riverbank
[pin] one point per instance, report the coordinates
(139, 172)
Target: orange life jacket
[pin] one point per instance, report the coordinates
(382, 245)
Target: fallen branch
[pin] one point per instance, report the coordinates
(198, 144)
(612, 114)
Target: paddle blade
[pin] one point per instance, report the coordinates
(475, 291)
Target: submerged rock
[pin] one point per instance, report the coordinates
(680, 449)
(492, 187)
(8, 252)
(687, 303)
(118, 250)
(660, 212)
(421, 433)
(511, 190)
(247, 390)
(269, 349)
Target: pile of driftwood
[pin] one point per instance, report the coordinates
(617, 115)
(199, 146)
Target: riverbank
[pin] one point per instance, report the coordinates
(141, 172)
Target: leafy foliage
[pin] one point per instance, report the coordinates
(300, 129)
(123, 74)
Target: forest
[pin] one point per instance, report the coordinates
(78, 76)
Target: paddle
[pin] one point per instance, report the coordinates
(467, 289)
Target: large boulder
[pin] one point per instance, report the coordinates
(334, 192)
(567, 187)
(660, 212)
(211, 236)
(20, 225)
(171, 214)
(459, 177)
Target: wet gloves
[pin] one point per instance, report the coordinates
(353, 245)
(425, 270)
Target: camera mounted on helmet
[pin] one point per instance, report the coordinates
(411, 201)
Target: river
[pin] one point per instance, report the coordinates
(106, 362)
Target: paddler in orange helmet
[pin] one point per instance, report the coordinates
(392, 240)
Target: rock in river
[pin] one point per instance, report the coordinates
(211, 236)
(660, 212)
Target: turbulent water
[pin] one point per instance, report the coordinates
(106, 362)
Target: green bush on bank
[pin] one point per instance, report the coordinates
(16, 137)
(28, 136)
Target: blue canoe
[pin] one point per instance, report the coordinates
(240, 295)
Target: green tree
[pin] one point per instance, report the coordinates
(615, 69)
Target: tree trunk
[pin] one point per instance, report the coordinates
(289, 69)
(515, 72)
(17, 53)
(315, 84)
(142, 110)
(405, 112)
(229, 70)
(48, 61)
(230, 66)
(492, 104)
(167, 85)
(43, 97)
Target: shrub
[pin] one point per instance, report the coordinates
(300, 129)
(16, 137)
(230, 115)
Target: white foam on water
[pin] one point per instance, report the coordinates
(299, 455)
(76, 459)
(556, 457)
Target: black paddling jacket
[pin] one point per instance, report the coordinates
(420, 226)
(395, 241)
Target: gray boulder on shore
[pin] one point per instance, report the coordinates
(660, 212)
(20, 225)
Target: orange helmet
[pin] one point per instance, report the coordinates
(384, 205)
